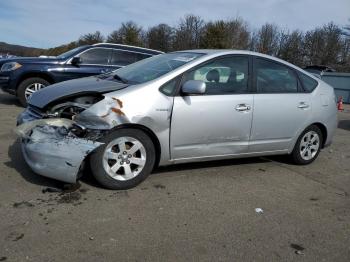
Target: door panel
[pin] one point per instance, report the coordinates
(72, 72)
(278, 118)
(208, 126)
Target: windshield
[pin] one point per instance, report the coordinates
(152, 68)
(70, 52)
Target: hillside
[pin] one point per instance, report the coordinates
(19, 50)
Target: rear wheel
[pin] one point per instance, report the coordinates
(125, 160)
(308, 146)
(29, 86)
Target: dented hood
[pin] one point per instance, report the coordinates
(74, 87)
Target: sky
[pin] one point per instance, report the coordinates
(49, 23)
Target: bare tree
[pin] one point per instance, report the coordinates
(291, 47)
(91, 38)
(238, 34)
(322, 45)
(266, 40)
(188, 33)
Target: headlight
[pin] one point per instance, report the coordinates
(10, 66)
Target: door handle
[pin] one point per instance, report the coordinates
(303, 105)
(242, 107)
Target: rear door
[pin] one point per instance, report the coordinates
(217, 123)
(95, 61)
(281, 108)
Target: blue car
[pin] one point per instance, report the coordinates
(24, 76)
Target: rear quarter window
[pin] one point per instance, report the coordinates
(123, 58)
(308, 83)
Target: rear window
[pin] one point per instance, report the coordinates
(123, 58)
(309, 84)
(274, 77)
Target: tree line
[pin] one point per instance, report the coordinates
(325, 45)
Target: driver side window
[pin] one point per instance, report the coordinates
(223, 75)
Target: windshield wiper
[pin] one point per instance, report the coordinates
(119, 78)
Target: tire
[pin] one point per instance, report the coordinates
(114, 169)
(307, 148)
(36, 82)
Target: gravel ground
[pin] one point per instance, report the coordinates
(192, 212)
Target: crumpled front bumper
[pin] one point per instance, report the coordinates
(52, 151)
(29, 114)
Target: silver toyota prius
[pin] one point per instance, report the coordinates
(179, 107)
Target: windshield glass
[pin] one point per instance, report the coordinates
(152, 68)
(70, 52)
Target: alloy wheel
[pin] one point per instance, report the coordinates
(309, 145)
(32, 89)
(124, 158)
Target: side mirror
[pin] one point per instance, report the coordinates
(193, 87)
(76, 61)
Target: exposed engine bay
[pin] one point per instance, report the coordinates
(68, 109)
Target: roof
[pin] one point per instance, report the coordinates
(217, 52)
(131, 48)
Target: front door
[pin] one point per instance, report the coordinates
(95, 61)
(218, 122)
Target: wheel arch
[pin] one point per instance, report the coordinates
(149, 132)
(42, 75)
(321, 126)
(323, 129)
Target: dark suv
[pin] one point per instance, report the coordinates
(23, 76)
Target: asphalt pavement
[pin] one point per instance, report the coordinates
(257, 209)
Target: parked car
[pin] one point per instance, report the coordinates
(24, 76)
(175, 108)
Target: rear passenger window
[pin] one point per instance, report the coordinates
(274, 78)
(123, 58)
(96, 56)
(309, 84)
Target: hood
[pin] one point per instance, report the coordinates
(32, 60)
(81, 86)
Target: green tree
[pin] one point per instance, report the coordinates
(160, 37)
(129, 33)
(231, 34)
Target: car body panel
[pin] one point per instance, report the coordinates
(74, 87)
(198, 129)
(273, 130)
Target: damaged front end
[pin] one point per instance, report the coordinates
(55, 142)
(52, 147)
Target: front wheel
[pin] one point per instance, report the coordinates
(308, 146)
(28, 87)
(125, 160)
